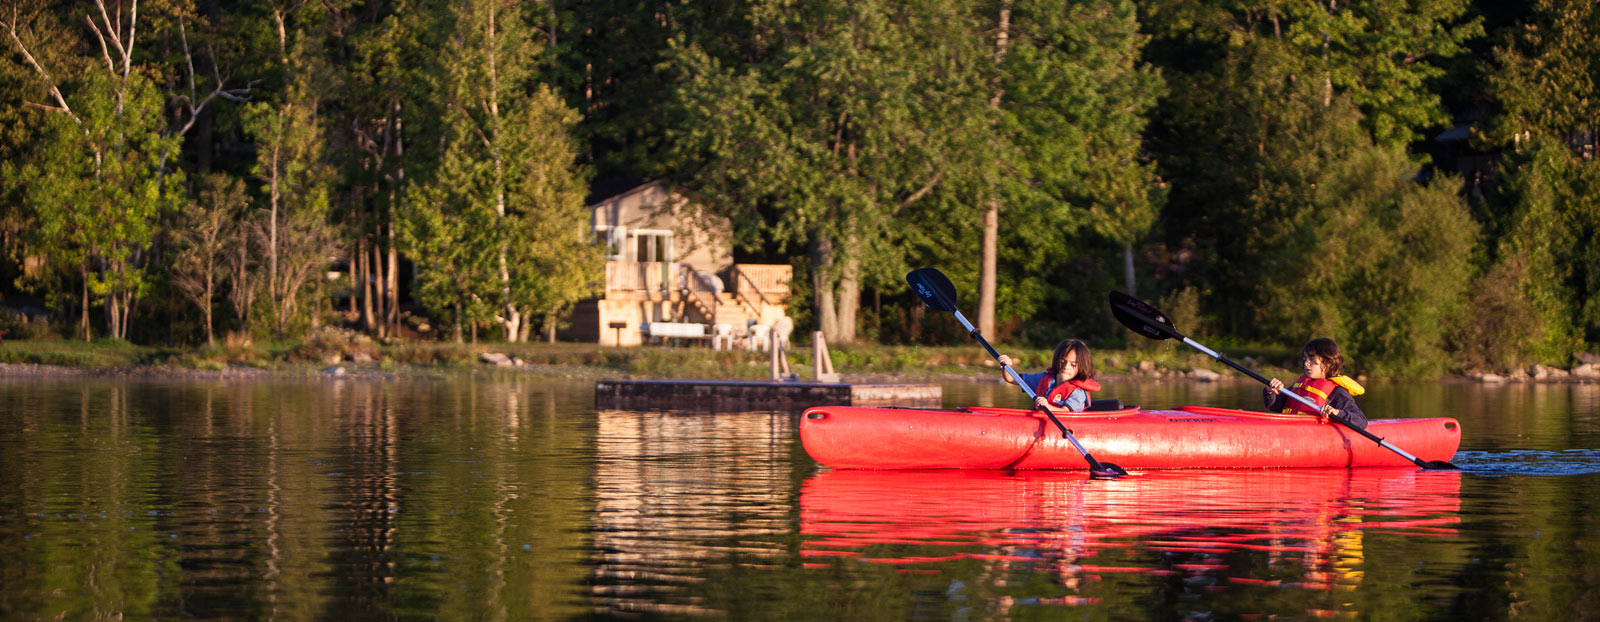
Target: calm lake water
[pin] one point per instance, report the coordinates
(512, 498)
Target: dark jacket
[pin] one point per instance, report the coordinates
(1340, 399)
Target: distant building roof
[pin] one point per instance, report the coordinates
(596, 202)
(603, 189)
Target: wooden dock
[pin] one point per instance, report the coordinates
(735, 395)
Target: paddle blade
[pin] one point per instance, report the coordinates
(1438, 465)
(1142, 318)
(934, 288)
(1107, 471)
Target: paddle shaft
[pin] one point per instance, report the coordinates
(1094, 464)
(1303, 400)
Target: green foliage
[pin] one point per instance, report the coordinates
(1390, 264)
(1545, 77)
(1076, 100)
(1266, 189)
(827, 130)
(95, 187)
(1547, 264)
(501, 224)
(1525, 306)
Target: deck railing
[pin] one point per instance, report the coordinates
(770, 281)
(638, 276)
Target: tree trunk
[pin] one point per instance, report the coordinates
(84, 318)
(111, 315)
(1127, 268)
(273, 195)
(380, 284)
(987, 272)
(822, 285)
(355, 270)
(836, 291)
(392, 305)
(457, 336)
(366, 284)
(987, 276)
(848, 298)
(205, 312)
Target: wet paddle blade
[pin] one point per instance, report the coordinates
(1438, 465)
(1142, 318)
(934, 288)
(1107, 471)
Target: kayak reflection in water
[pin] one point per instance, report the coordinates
(1068, 382)
(1262, 539)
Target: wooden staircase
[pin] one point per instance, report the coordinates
(724, 308)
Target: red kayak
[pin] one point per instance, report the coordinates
(845, 437)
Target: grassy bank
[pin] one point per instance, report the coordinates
(356, 352)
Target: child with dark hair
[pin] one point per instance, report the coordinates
(1323, 383)
(1068, 382)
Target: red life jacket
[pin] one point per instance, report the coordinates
(1314, 389)
(1058, 396)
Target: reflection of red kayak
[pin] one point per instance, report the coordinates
(912, 517)
(1190, 437)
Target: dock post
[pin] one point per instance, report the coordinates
(821, 362)
(773, 361)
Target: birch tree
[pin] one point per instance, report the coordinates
(507, 170)
(100, 178)
(292, 226)
(202, 238)
(96, 180)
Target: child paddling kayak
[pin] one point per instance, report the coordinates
(1322, 383)
(1068, 382)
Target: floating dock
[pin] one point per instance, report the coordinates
(735, 395)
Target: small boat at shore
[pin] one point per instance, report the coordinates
(1186, 437)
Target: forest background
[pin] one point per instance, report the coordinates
(1416, 179)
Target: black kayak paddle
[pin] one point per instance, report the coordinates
(1150, 322)
(936, 290)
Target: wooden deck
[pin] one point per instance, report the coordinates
(735, 395)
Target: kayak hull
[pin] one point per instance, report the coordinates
(1188, 437)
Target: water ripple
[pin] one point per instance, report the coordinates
(1530, 462)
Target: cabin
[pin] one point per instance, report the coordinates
(669, 275)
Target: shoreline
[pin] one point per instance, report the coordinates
(377, 371)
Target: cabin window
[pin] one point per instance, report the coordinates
(651, 245)
(615, 240)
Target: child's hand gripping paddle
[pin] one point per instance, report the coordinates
(936, 290)
(1150, 322)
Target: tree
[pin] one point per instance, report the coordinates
(835, 120)
(1076, 96)
(96, 180)
(1267, 99)
(100, 178)
(202, 239)
(1524, 310)
(1543, 83)
(292, 228)
(507, 196)
(1389, 263)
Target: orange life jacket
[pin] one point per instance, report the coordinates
(1314, 389)
(1058, 396)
